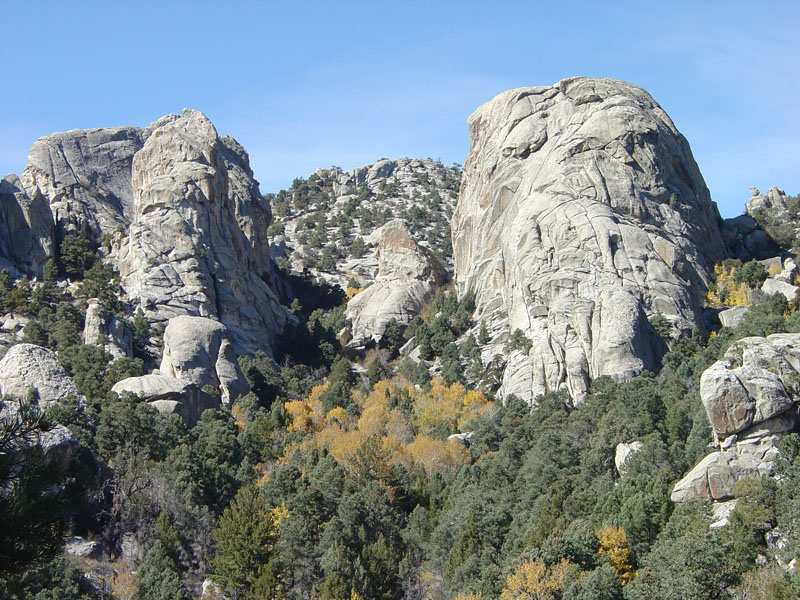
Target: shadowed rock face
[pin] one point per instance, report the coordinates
(26, 229)
(582, 213)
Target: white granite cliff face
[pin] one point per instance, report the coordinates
(197, 240)
(175, 204)
(582, 214)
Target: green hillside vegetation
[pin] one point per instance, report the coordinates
(327, 483)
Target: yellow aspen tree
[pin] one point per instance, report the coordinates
(534, 580)
(613, 542)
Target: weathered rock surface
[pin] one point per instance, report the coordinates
(408, 275)
(26, 229)
(26, 366)
(746, 240)
(57, 445)
(582, 214)
(773, 202)
(731, 317)
(751, 399)
(775, 286)
(77, 546)
(105, 331)
(85, 175)
(197, 241)
(178, 208)
(199, 351)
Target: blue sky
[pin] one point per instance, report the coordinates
(315, 84)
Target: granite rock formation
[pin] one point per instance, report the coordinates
(106, 331)
(26, 366)
(408, 276)
(582, 214)
(751, 399)
(197, 241)
(176, 207)
(198, 371)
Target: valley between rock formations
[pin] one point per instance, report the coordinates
(556, 372)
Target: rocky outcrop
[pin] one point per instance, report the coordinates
(198, 358)
(582, 214)
(177, 208)
(106, 331)
(197, 241)
(774, 202)
(746, 240)
(82, 548)
(751, 399)
(408, 275)
(26, 229)
(26, 367)
(199, 351)
(57, 445)
(731, 317)
(623, 452)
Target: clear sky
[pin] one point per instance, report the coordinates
(313, 84)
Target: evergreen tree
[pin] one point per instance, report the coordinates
(245, 537)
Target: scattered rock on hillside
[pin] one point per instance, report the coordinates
(731, 317)
(408, 276)
(328, 223)
(582, 214)
(623, 453)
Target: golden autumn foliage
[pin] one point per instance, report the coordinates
(614, 543)
(439, 411)
(280, 515)
(437, 456)
(462, 596)
(240, 417)
(351, 291)
(726, 292)
(534, 580)
(449, 408)
(307, 415)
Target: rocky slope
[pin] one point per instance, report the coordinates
(582, 214)
(327, 224)
(176, 209)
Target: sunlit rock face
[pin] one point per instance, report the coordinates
(408, 276)
(582, 215)
(197, 242)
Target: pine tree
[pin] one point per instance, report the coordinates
(244, 536)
